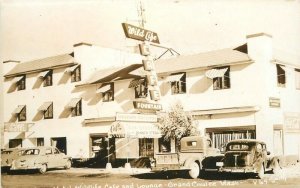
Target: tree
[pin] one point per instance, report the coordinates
(177, 123)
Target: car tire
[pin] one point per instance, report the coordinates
(68, 165)
(43, 169)
(261, 172)
(194, 171)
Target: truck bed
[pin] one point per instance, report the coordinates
(166, 161)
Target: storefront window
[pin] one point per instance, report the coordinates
(164, 145)
(146, 147)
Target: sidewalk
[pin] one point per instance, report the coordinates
(120, 170)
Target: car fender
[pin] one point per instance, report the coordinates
(192, 159)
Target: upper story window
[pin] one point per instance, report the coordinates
(76, 74)
(297, 78)
(20, 111)
(222, 78)
(47, 109)
(280, 75)
(48, 78)
(178, 83)
(77, 110)
(21, 84)
(107, 91)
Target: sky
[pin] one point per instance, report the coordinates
(32, 29)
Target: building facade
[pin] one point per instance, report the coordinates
(80, 101)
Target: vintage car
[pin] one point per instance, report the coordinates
(41, 158)
(8, 155)
(248, 156)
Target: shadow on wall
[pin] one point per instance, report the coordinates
(13, 118)
(89, 94)
(124, 99)
(65, 113)
(65, 78)
(12, 88)
(202, 85)
(164, 88)
(38, 83)
(39, 116)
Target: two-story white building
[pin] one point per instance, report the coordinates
(71, 100)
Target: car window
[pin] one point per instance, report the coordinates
(6, 152)
(191, 143)
(48, 151)
(31, 152)
(238, 147)
(259, 148)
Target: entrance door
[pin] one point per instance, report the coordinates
(146, 147)
(60, 143)
(278, 144)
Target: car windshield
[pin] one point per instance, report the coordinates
(31, 152)
(238, 147)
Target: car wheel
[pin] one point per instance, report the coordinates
(43, 169)
(194, 171)
(261, 172)
(68, 165)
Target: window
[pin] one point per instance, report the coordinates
(178, 86)
(297, 78)
(22, 114)
(48, 114)
(39, 141)
(108, 95)
(48, 151)
(164, 145)
(77, 110)
(76, 74)
(224, 81)
(141, 90)
(48, 79)
(21, 84)
(15, 143)
(280, 75)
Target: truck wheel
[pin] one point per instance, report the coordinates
(43, 169)
(261, 172)
(194, 171)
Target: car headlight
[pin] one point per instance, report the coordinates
(219, 164)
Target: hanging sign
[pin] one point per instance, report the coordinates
(146, 105)
(138, 33)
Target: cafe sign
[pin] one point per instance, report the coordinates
(139, 33)
(16, 127)
(136, 117)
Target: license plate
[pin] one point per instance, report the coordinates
(237, 170)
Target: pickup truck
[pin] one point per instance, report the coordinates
(193, 150)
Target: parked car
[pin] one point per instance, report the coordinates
(41, 158)
(8, 155)
(248, 156)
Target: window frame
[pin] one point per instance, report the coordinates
(223, 82)
(48, 114)
(297, 79)
(77, 110)
(48, 79)
(21, 84)
(22, 112)
(108, 96)
(76, 74)
(179, 87)
(139, 91)
(281, 75)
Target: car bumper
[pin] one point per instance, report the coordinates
(24, 167)
(238, 170)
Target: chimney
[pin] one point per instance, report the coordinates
(260, 46)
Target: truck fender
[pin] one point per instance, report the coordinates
(193, 159)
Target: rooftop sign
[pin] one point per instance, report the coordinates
(139, 33)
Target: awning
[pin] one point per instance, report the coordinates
(17, 79)
(135, 83)
(45, 106)
(174, 77)
(69, 70)
(18, 109)
(214, 73)
(73, 103)
(43, 74)
(104, 88)
(134, 130)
